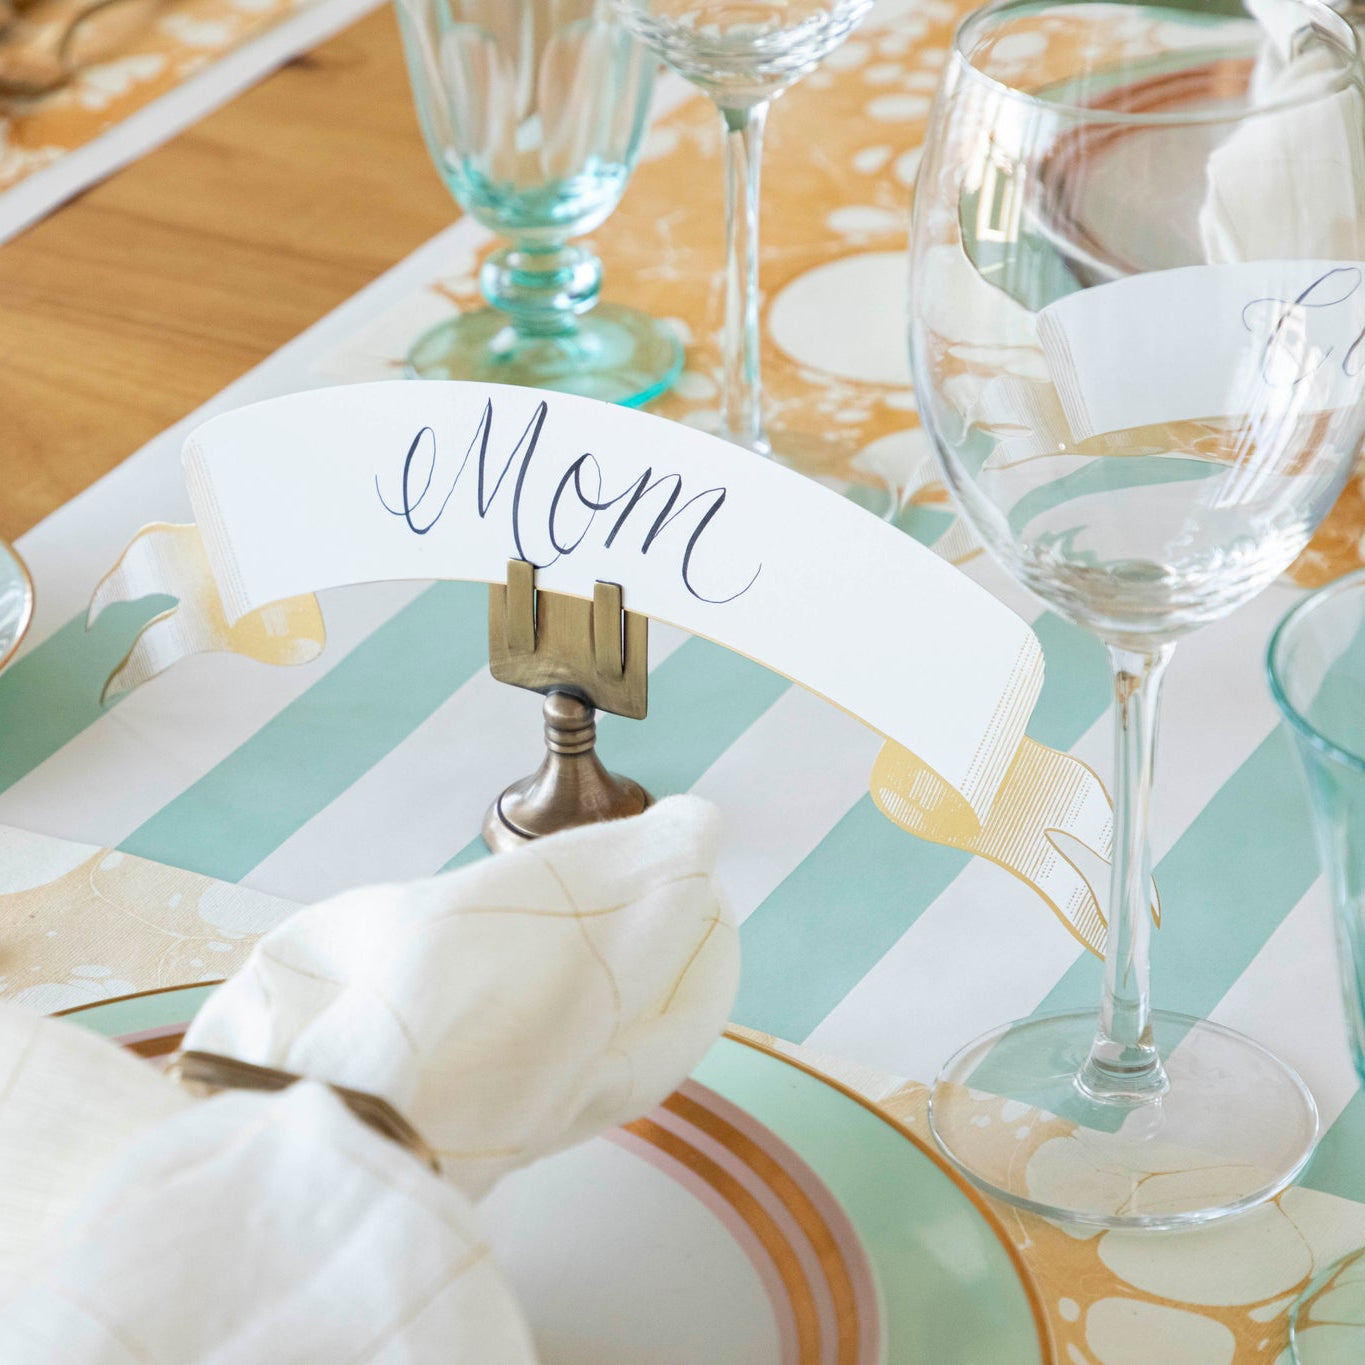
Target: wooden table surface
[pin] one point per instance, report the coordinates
(141, 299)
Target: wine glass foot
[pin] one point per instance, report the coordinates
(1327, 1323)
(1234, 1127)
(615, 354)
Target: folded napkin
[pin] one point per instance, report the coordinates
(1285, 182)
(508, 1010)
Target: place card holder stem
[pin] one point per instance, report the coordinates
(585, 657)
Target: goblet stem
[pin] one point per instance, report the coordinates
(1124, 1065)
(742, 399)
(543, 289)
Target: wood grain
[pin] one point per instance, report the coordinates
(138, 301)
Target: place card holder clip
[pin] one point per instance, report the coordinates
(585, 657)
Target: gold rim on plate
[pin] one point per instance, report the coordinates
(977, 1199)
(26, 618)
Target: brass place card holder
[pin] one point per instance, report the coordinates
(585, 657)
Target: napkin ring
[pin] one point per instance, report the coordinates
(206, 1073)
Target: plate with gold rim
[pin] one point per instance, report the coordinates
(763, 1215)
(16, 602)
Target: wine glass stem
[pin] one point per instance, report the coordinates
(1124, 1065)
(742, 399)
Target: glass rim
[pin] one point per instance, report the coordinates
(1334, 26)
(1293, 619)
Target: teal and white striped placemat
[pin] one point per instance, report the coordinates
(377, 762)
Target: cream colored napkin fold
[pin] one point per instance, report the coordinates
(69, 1100)
(513, 1008)
(1284, 183)
(265, 1230)
(508, 1010)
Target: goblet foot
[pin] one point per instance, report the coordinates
(1234, 1126)
(1327, 1324)
(615, 354)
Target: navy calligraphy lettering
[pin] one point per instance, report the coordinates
(574, 507)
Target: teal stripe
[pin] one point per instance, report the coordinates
(1230, 879)
(1338, 1166)
(702, 698)
(53, 693)
(324, 740)
(837, 914)
(470, 853)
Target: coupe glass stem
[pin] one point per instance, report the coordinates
(742, 399)
(1124, 1065)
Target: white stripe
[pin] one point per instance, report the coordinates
(158, 122)
(781, 787)
(1216, 710)
(425, 799)
(1289, 1000)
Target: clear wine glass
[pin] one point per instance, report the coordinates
(533, 113)
(1137, 329)
(743, 53)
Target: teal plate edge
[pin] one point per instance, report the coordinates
(953, 1288)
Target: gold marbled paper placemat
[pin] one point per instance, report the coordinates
(79, 924)
(188, 58)
(181, 41)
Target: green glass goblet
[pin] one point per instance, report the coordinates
(533, 111)
(1317, 676)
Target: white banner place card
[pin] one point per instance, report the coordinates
(1207, 341)
(404, 480)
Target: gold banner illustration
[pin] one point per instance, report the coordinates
(1044, 793)
(163, 558)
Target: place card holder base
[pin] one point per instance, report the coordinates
(585, 657)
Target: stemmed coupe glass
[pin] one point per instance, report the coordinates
(1138, 340)
(743, 53)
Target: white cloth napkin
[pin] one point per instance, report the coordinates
(1284, 183)
(508, 1010)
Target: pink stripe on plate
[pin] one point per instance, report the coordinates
(772, 1203)
(734, 1224)
(866, 1290)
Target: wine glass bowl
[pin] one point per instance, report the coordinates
(1136, 309)
(533, 115)
(743, 51)
(1150, 558)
